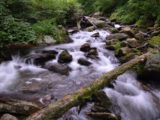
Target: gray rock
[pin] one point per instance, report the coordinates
(85, 47)
(60, 68)
(8, 117)
(84, 62)
(119, 36)
(132, 42)
(95, 35)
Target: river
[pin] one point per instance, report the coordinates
(128, 98)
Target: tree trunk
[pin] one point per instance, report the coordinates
(58, 108)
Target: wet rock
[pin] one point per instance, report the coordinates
(101, 99)
(65, 57)
(95, 35)
(155, 33)
(85, 47)
(91, 28)
(132, 42)
(128, 30)
(84, 62)
(119, 36)
(60, 68)
(72, 30)
(95, 21)
(153, 64)
(141, 36)
(103, 116)
(113, 30)
(8, 117)
(50, 52)
(46, 39)
(123, 51)
(15, 106)
(40, 58)
(111, 42)
(93, 53)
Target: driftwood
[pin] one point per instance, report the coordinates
(19, 107)
(58, 108)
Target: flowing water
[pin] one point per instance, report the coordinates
(128, 98)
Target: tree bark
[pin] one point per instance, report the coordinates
(58, 108)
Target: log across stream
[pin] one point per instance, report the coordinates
(49, 86)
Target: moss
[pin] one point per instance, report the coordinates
(117, 46)
(155, 41)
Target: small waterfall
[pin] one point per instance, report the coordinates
(131, 101)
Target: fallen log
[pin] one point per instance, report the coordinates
(58, 108)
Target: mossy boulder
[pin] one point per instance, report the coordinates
(151, 70)
(155, 41)
(65, 57)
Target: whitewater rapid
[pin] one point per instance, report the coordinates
(127, 96)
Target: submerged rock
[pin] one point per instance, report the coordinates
(119, 36)
(8, 117)
(84, 62)
(65, 57)
(60, 68)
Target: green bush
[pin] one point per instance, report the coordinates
(61, 10)
(15, 31)
(49, 27)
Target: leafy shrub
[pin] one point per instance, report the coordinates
(49, 27)
(61, 10)
(15, 31)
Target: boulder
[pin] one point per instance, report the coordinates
(85, 47)
(128, 30)
(113, 30)
(46, 39)
(119, 36)
(151, 69)
(123, 51)
(84, 62)
(59, 68)
(65, 57)
(15, 106)
(141, 36)
(93, 53)
(40, 58)
(95, 34)
(111, 42)
(95, 22)
(132, 42)
(8, 117)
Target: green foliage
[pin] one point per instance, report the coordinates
(15, 31)
(139, 12)
(155, 41)
(49, 27)
(61, 10)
